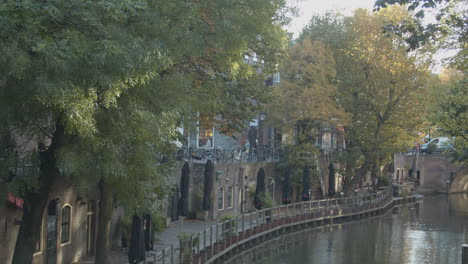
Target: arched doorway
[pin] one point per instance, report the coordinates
(260, 189)
(51, 255)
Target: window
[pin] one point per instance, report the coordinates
(221, 198)
(326, 140)
(246, 59)
(66, 224)
(230, 195)
(205, 132)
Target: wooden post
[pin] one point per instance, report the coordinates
(216, 238)
(251, 221)
(164, 256)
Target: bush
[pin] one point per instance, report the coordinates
(266, 200)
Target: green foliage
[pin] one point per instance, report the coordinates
(226, 217)
(266, 200)
(125, 225)
(377, 84)
(121, 76)
(451, 114)
(448, 31)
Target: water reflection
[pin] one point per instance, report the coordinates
(428, 232)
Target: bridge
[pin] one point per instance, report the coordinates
(436, 172)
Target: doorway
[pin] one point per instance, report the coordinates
(51, 254)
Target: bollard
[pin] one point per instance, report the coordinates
(465, 254)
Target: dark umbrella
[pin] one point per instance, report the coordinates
(148, 224)
(136, 253)
(184, 189)
(305, 184)
(206, 203)
(260, 188)
(287, 186)
(331, 180)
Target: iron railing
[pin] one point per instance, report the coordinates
(244, 225)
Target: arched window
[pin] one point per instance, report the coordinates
(66, 224)
(221, 198)
(230, 194)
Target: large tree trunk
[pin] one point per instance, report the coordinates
(35, 202)
(103, 243)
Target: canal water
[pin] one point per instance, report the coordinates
(431, 231)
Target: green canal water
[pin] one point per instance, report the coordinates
(431, 231)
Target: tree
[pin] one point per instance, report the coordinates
(450, 113)
(449, 31)
(381, 93)
(378, 86)
(107, 83)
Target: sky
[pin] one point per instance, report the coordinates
(307, 8)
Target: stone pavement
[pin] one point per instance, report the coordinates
(184, 226)
(168, 237)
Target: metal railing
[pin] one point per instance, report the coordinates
(233, 155)
(242, 226)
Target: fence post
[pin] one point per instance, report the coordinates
(198, 244)
(464, 253)
(172, 254)
(287, 205)
(243, 222)
(163, 256)
(251, 221)
(211, 236)
(181, 249)
(237, 224)
(294, 209)
(217, 234)
(204, 239)
(191, 249)
(264, 213)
